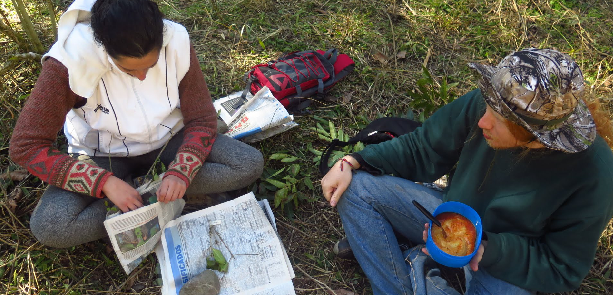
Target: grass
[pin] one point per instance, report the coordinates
(390, 41)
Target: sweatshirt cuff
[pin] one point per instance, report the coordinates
(492, 253)
(97, 192)
(85, 178)
(185, 166)
(365, 166)
(178, 174)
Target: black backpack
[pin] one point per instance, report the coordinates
(377, 131)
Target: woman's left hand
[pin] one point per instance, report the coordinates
(172, 188)
(474, 262)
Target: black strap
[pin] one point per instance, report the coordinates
(320, 86)
(299, 106)
(325, 155)
(247, 89)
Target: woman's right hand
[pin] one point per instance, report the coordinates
(122, 194)
(336, 181)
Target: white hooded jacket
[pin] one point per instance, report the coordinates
(123, 116)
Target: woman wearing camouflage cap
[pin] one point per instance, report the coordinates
(524, 151)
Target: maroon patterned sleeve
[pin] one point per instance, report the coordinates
(41, 118)
(200, 121)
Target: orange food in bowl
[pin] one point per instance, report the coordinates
(461, 234)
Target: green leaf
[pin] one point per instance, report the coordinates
(219, 257)
(278, 156)
(332, 130)
(336, 155)
(309, 183)
(280, 196)
(314, 151)
(426, 74)
(276, 183)
(443, 90)
(290, 179)
(328, 139)
(211, 263)
(270, 187)
(289, 159)
(294, 169)
(216, 261)
(277, 173)
(261, 44)
(322, 131)
(358, 147)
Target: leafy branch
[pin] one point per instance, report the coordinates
(429, 95)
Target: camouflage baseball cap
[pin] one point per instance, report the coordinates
(541, 90)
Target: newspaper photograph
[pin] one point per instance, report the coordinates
(252, 114)
(241, 230)
(134, 234)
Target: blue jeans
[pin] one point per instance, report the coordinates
(371, 209)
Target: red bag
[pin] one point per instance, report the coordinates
(295, 77)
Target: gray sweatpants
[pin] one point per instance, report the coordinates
(64, 219)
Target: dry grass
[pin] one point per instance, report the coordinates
(389, 40)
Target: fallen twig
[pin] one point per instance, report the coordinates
(315, 280)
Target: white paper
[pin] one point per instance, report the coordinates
(240, 229)
(252, 115)
(134, 234)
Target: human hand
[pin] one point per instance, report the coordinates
(474, 262)
(122, 194)
(172, 188)
(424, 234)
(336, 181)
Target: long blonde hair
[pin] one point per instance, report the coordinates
(601, 118)
(600, 115)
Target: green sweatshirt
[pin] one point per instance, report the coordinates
(543, 211)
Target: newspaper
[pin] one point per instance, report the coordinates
(241, 230)
(135, 234)
(270, 132)
(253, 114)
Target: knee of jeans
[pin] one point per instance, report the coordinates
(353, 192)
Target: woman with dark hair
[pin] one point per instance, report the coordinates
(126, 86)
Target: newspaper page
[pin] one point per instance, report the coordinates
(270, 132)
(134, 234)
(252, 114)
(240, 229)
(231, 106)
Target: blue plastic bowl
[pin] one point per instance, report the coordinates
(439, 255)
